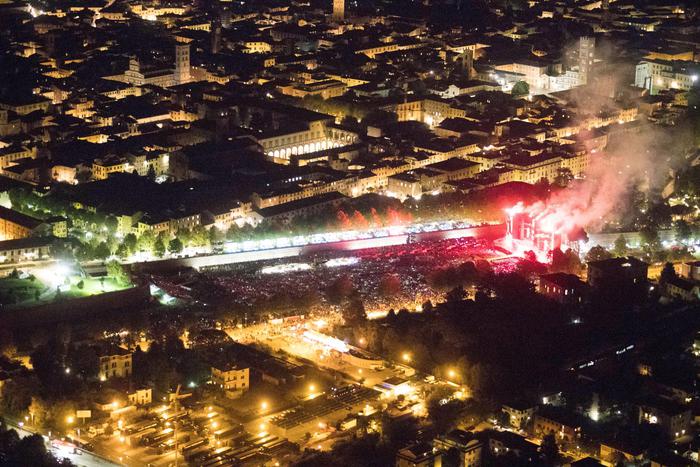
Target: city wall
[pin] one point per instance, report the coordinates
(78, 308)
(209, 261)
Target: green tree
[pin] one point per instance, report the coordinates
(597, 253)
(683, 230)
(102, 251)
(151, 174)
(649, 235)
(354, 311)
(668, 273)
(184, 235)
(233, 233)
(455, 295)
(550, 450)
(129, 243)
(200, 236)
(216, 235)
(117, 271)
(146, 241)
(111, 223)
(620, 246)
(175, 246)
(521, 88)
(122, 250)
(159, 247)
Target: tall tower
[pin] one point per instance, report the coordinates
(466, 59)
(338, 10)
(586, 55)
(216, 37)
(182, 63)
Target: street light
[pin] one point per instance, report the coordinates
(70, 419)
(451, 373)
(312, 388)
(263, 405)
(406, 357)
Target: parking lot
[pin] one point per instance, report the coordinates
(200, 435)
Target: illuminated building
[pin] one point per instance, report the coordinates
(15, 225)
(182, 63)
(325, 89)
(563, 288)
(673, 418)
(141, 396)
(661, 75)
(468, 444)
(232, 379)
(691, 270)
(65, 174)
(677, 287)
(429, 111)
(563, 425)
(404, 186)
(586, 55)
(613, 450)
(519, 414)
(140, 163)
(140, 74)
(25, 249)
(15, 152)
(338, 10)
(23, 105)
(284, 213)
(419, 455)
(115, 362)
(302, 138)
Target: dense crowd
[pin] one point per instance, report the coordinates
(384, 278)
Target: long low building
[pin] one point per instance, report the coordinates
(15, 225)
(26, 249)
(284, 213)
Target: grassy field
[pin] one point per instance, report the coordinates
(28, 291)
(15, 290)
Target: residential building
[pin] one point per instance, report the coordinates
(690, 270)
(661, 75)
(565, 426)
(520, 414)
(683, 289)
(673, 418)
(623, 280)
(419, 455)
(232, 379)
(15, 225)
(563, 288)
(140, 396)
(115, 362)
(26, 249)
(469, 446)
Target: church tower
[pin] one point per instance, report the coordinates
(182, 63)
(586, 54)
(338, 10)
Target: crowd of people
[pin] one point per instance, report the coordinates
(386, 278)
